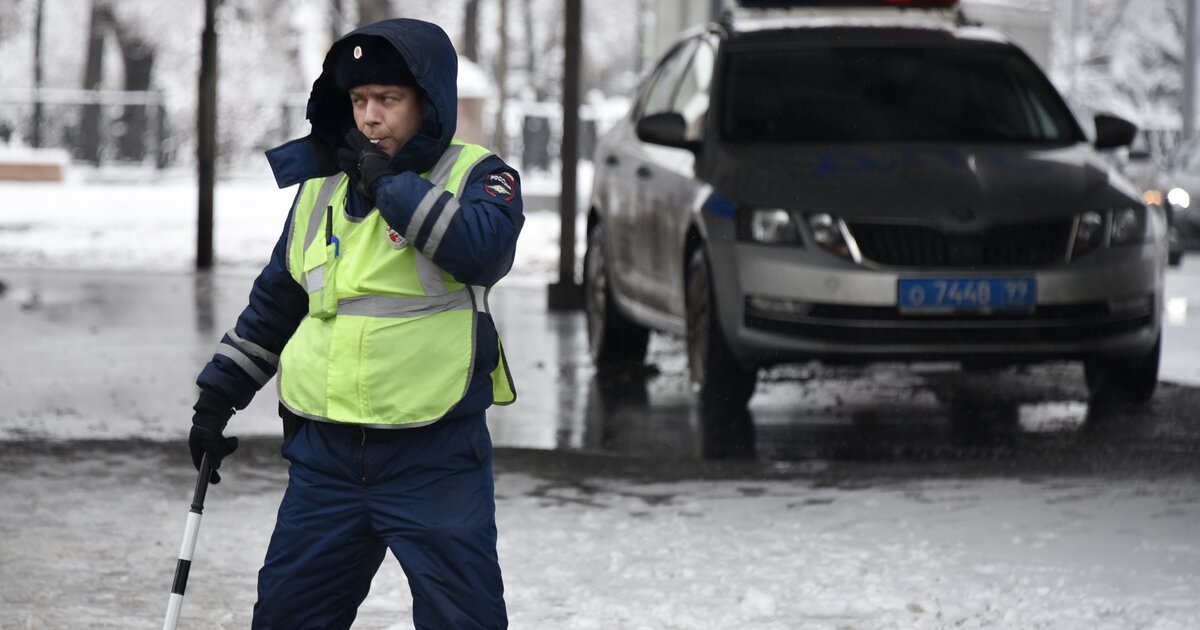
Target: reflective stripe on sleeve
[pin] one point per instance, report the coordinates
(439, 228)
(244, 362)
(422, 212)
(253, 349)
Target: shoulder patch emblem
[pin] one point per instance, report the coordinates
(501, 184)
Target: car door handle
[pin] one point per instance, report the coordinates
(611, 160)
(643, 172)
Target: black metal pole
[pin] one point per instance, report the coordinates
(206, 127)
(1189, 71)
(36, 136)
(567, 294)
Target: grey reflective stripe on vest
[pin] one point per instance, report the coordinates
(319, 206)
(391, 306)
(430, 276)
(440, 174)
(292, 228)
(253, 349)
(243, 362)
(314, 279)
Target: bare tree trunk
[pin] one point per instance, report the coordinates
(93, 74)
(337, 19)
(470, 38)
(371, 11)
(531, 49)
(498, 135)
(138, 57)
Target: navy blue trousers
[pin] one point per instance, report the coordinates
(425, 493)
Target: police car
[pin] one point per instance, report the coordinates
(857, 183)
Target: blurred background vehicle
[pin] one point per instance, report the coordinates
(1173, 190)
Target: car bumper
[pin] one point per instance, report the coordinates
(784, 304)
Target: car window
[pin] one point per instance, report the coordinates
(691, 97)
(660, 93)
(949, 93)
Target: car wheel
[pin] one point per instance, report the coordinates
(714, 372)
(1128, 379)
(612, 338)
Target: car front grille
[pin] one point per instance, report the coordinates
(1019, 245)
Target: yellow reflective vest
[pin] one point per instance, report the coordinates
(389, 339)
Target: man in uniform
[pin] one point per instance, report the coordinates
(372, 314)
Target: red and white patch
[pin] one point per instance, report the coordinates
(501, 184)
(398, 241)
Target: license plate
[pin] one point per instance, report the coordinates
(967, 294)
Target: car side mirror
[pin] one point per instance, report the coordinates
(1113, 131)
(668, 129)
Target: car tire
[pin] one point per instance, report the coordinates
(715, 373)
(612, 338)
(1127, 379)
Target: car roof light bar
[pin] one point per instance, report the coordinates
(830, 4)
(751, 15)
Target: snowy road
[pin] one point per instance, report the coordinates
(90, 532)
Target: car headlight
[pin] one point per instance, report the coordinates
(1109, 228)
(829, 233)
(1089, 233)
(772, 226)
(1128, 226)
(1179, 197)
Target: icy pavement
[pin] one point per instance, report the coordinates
(90, 534)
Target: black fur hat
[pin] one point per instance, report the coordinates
(372, 60)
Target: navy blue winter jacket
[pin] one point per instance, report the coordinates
(478, 247)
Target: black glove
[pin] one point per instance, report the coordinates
(365, 162)
(212, 414)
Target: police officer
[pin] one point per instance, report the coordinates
(372, 314)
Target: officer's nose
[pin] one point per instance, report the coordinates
(371, 112)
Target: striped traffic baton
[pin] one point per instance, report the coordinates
(189, 545)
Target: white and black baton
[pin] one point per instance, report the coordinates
(189, 545)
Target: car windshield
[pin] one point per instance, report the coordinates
(933, 94)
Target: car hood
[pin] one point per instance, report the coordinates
(959, 187)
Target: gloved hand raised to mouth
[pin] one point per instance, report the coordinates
(365, 162)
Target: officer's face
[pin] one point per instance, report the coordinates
(389, 115)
